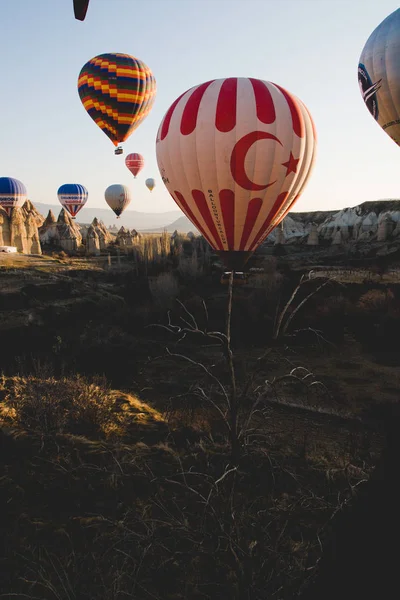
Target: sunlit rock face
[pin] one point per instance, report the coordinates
(21, 229)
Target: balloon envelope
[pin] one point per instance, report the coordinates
(235, 154)
(379, 75)
(135, 163)
(12, 194)
(117, 197)
(118, 92)
(150, 183)
(72, 197)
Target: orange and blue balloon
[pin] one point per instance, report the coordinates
(118, 92)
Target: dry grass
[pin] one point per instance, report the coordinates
(77, 405)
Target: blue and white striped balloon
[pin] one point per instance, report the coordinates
(73, 197)
(12, 194)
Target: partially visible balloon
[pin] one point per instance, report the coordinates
(118, 92)
(12, 194)
(117, 197)
(235, 155)
(72, 197)
(379, 75)
(150, 183)
(135, 163)
(80, 9)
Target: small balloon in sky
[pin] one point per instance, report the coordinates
(235, 155)
(12, 194)
(150, 183)
(135, 163)
(118, 92)
(117, 197)
(72, 197)
(379, 75)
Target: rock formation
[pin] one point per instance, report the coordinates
(280, 236)
(386, 227)
(21, 229)
(104, 235)
(92, 241)
(63, 233)
(127, 239)
(367, 222)
(5, 234)
(312, 239)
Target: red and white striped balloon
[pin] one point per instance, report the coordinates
(135, 163)
(235, 155)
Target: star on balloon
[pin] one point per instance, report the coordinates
(291, 164)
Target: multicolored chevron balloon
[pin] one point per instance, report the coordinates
(118, 92)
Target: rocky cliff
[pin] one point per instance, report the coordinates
(21, 229)
(371, 221)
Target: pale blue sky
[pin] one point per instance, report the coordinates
(310, 47)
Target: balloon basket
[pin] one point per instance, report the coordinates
(239, 278)
(118, 150)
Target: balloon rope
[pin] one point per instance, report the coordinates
(233, 407)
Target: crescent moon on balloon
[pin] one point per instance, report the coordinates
(238, 158)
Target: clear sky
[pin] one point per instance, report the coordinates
(310, 47)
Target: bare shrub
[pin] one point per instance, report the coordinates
(333, 306)
(189, 267)
(376, 301)
(164, 290)
(52, 406)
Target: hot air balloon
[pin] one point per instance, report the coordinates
(12, 194)
(379, 75)
(80, 9)
(150, 183)
(235, 155)
(118, 92)
(135, 163)
(117, 197)
(72, 197)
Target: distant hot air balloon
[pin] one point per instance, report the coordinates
(150, 183)
(72, 197)
(80, 9)
(379, 75)
(135, 163)
(117, 197)
(235, 155)
(118, 92)
(12, 194)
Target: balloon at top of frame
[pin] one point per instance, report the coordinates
(379, 75)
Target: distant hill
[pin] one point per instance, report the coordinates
(183, 225)
(130, 218)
